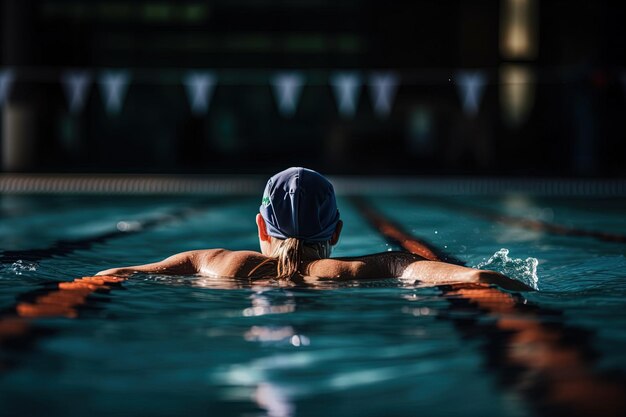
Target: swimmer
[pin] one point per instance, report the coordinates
(298, 224)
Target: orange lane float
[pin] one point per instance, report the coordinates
(562, 369)
(563, 379)
(64, 301)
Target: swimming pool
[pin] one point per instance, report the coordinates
(159, 345)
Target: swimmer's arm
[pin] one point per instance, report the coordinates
(185, 263)
(437, 273)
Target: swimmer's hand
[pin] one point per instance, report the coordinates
(502, 281)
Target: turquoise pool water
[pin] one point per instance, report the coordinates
(161, 345)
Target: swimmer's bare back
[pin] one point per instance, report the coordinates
(242, 264)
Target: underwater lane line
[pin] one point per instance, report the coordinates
(67, 298)
(396, 235)
(63, 301)
(549, 364)
(67, 246)
(530, 224)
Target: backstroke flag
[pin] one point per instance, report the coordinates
(6, 82)
(383, 87)
(346, 86)
(76, 86)
(287, 87)
(113, 87)
(199, 86)
(471, 85)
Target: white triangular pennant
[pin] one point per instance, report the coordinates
(383, 87)
(287, 88)
(346, 86)
(471, 86)
(76, 86)
(199, 87)
(6, 82)
(113, 87)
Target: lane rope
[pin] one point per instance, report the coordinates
(396, 235)
(65, 247)
(64, 301)
(552, 362)
(532, 224)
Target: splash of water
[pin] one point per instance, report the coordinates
(519, 269)
(19, 267)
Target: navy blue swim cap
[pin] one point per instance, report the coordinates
(300, 203)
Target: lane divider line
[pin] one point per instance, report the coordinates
(396, 235)
(551, 363)
(63, 301)
(532, 224)
(66, 298)
(65, 247)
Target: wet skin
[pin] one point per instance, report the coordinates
(242, 264)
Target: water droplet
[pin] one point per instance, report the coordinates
(20, 267)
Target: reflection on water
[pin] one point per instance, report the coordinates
(551, 365)
(316, 347)
(268, 395)
(303, 344)
(268, 334)
(261, 305)
(274, 400)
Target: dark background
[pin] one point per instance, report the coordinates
(573, 123)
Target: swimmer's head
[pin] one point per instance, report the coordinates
(299, 203)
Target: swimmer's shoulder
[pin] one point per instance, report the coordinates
(227, 263)
(376, 265)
